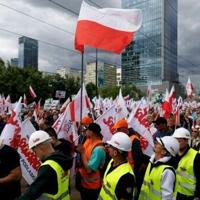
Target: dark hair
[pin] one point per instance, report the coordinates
(51, 132)
(95, 128)
(160, 120)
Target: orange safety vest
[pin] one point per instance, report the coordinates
(130, 154)
(90, 180)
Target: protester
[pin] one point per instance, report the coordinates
(195, 138)
(159, 180)
(61, 145)
(53, 175)
(188, 165)
(10, 172)
(186, 119)
(93, 158)
(85, 122)
(118, 181)
(162, 128)
(137, 159)
(121, 126)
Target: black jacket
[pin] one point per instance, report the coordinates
(46, 181)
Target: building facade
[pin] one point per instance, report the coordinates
(119, 76)
(106, 74)
(28, 53)
(14, 62)
(152, 56)
(63, 71)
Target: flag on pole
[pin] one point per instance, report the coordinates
(172, 94)
(32, 92)
(149, 90)
(110, 29)
(189, 88)
(25, 102)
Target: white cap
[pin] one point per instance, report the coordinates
(170, 143)
(37, 138)
(121, 141)
(182, 133)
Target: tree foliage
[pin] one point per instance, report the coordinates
(15, 82)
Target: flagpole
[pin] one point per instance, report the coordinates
(81, 107)
(96, 72)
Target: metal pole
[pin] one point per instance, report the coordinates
(96, 72)
(82, 63)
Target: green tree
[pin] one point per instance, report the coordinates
(91, 89)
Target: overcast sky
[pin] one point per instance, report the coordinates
(56, 43)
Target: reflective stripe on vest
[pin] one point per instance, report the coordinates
(186, 180)
(62, 180)
(110, 180)
(90, 180)
(151, 187)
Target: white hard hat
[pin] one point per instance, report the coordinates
(37, 138)
(121, 141)
(182, 133)
(170, 143)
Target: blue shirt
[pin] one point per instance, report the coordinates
(97, 158)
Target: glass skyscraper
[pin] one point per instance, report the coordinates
(152, 56)
(28, 52)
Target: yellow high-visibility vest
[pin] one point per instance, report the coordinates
(110, 180)
(62, 180)
(151, 187)
(186, 180)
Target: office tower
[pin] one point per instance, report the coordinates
(28, 52)
(152, 56)
(106, 74)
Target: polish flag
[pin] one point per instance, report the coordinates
(149, 90)
(25, 102)
(32, 93)
(166, 105)
(172, 94)
(189, 88)
(109, 29)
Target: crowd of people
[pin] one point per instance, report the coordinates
(114, 169)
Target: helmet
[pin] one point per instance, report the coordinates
(37, 138)
(120, 141)
(170, 143)
(86, 120)
(182, 133)
(122, 123)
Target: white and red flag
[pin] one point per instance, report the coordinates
(64, 126)
(149, 90)
(32, 92)
(172, 94)
(64, 106)
(189, 88)
(110, 29)
(106, 121)
(138, 120)
(76, 105)
(25, 102)
(16, 135)
(166, 105)
(120, 107)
